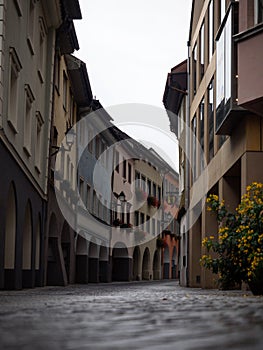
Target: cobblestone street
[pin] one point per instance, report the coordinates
(142, 315)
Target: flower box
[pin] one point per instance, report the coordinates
(116, 222)
(153, 201)
(140, 195)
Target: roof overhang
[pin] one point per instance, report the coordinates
(79, 79)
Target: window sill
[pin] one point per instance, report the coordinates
(30, 46)
(27, 151)
(12, 126)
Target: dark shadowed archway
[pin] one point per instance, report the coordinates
(82, 260)
(146, 265)
(156, 265)
(166, 263)
(121, 263)
(27, 248)
(10, 239)
(136, 264)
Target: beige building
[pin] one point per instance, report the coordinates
(27, 46)
(225, 112)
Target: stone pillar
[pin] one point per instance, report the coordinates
(209, 228)
(195, 254)
(251, 169)
(229, 190)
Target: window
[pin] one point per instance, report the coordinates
(258, 11)
(81, 189)
(100, 207)
(194, 147)
(211, 118)
(194, 65)
(38, 143)
(129, 173)
(97, 145)
(65, 91)
(143, 183)
(154, 190)
(128, 216)
(158, 227)
(123, 217)
(88, 197)
(90, 144)
(226, 66)
(124, 170)
(71, 110)
(211, 29)
(18, 7)
(149, 185)
(29, 99)
(202, 123)
(117, 161)
(14, 69)
(159, 194)
(94, 203)
(202, 51)
(153, 226)
(57, 71)
(42, 49)
(137, 179)
(136, 218)
(105, 211)
(31, 25)
(68, 168)
(142, 220)
(148, 224)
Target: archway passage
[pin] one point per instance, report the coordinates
(174, 263)
(10, 240)
(66, 249)
(136, 264)
(82, 260)
(93, 263)
(121, 263)
(166, 263)
(146, 265)
(56, 275)
(156, 266)
(104, 266)
(37, 253)
(27, 249)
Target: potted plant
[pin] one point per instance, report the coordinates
(153, 201)
(126, 226)
(238, 252)
(160, 242)
(140, 195)
(116, 222)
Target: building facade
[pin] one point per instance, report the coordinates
(224, 116)
(28, 34)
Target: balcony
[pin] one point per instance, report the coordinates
(250, 72)
(228, 112)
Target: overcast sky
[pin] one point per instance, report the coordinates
(129, 46)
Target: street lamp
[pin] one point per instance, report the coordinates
(70, 135)
(122, 197)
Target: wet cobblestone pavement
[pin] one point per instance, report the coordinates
(140, 315)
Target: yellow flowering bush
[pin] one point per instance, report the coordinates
(239, 248)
